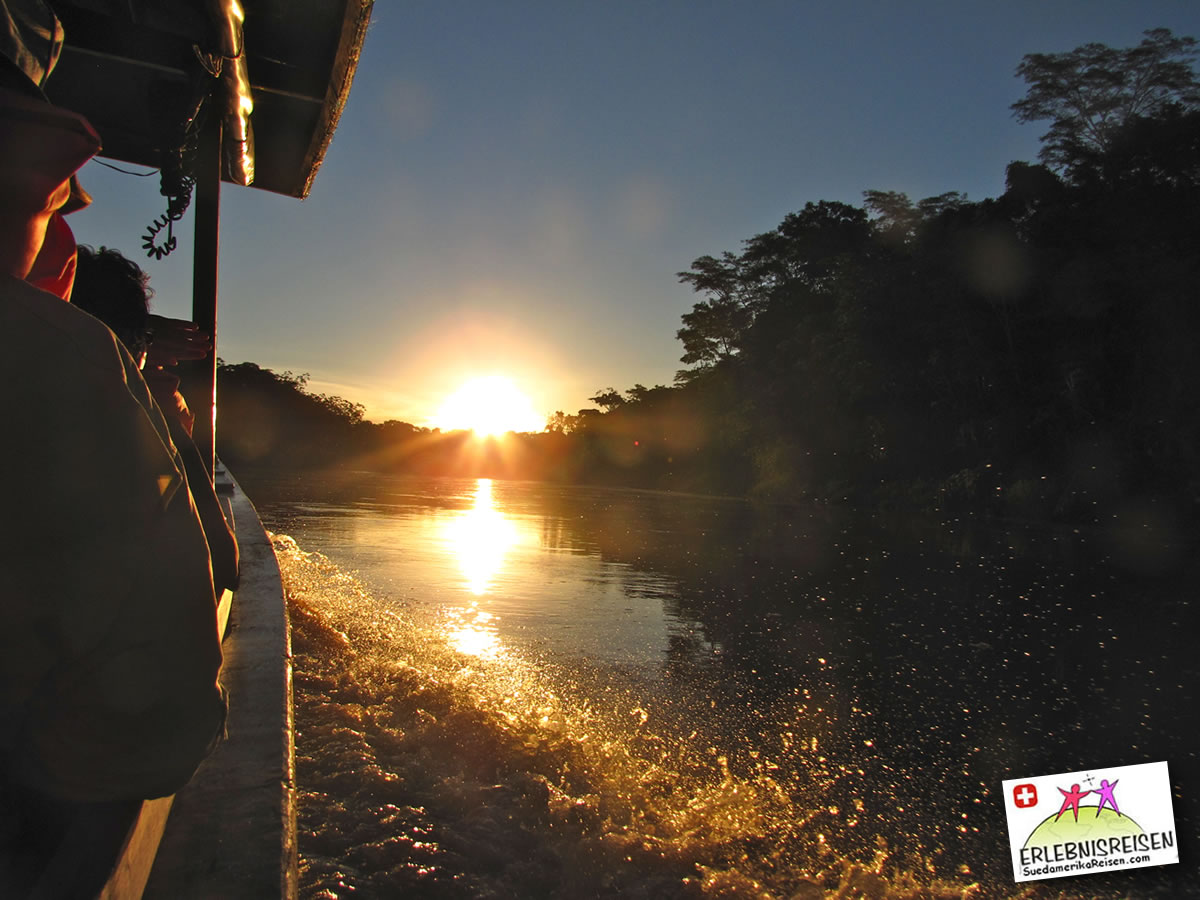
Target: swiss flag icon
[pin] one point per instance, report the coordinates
(1025, 795)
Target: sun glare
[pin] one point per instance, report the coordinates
(490, 405)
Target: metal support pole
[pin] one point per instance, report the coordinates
(207, 204)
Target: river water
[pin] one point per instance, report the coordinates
(518, 690)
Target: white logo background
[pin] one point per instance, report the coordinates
(1142, 793)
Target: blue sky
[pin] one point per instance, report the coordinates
(514, 186)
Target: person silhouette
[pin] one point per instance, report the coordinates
(109, 658)
(117, 292)
(1071, 798)
(1106, 796)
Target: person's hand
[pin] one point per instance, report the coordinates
(175, 340)
(164, 387)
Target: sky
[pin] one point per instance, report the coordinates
(514, 186)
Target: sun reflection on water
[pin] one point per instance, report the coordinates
(472, 632)
(481, 537)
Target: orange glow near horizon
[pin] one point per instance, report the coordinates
(490, 405)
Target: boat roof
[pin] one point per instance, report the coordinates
(132, 66)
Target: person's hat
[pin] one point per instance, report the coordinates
(31, 39)
(41, 146)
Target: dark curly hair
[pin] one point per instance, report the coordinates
(116, 291)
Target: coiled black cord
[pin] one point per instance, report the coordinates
(176, 185)
(177, 178)
(178, 200)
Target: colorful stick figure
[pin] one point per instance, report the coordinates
(1071, 799)
(1106, 796)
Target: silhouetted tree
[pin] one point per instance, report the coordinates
(1037, 353)
(1091, 92)
(562, 423)
(608, 399)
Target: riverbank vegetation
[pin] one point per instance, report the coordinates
(1033, 354)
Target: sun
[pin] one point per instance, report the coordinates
(490, 405)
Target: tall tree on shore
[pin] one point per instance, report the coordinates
(1090, 93)
(970, 348)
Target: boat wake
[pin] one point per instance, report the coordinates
(428, 771)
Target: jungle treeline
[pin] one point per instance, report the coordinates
(1033, 354)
